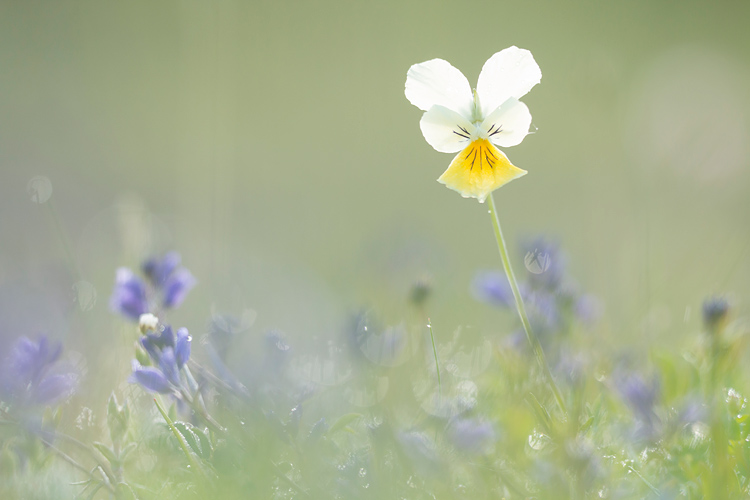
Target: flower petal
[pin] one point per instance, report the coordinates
(129, 295)
(436, 82)
(445, 130)
(150, 379)
(182, 347)
(177, 287)
(54, 388)
(512, 72)
(509, 124)
(478, 170)
(168, 365)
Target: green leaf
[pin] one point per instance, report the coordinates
(541, 413)
(586, 425)
(117, 418)
(106, 451)
(124, 492)
(181, 439)
(190, 436)
(205, 441)
(126, 451)
(141, 355)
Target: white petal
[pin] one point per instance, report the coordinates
(436, 82)
(508, 124)
(512, 72)
(445, 130)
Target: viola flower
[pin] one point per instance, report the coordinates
(474, 124)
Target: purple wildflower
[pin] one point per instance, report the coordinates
(168, 366)
(167, 275)
(166, 281)
(154, 344)
(715, 310)
(30, 375)
(471, 435)
(177, 287)
(182, 347)
(550, 262)
(55, 387)
(150, 379)
(129, 295)
(493, 288)
(158, 270)
(641, 397)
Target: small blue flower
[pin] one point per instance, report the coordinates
(639, 395)
(53, 388)
(30, 359)
(182, 347)
(158, 270)
(550, 262)
(471, 435)
(150, 379)
(168, 366)
(177, 287)
(155, 343)
(715, 310)
(29, 375)
(493, 288)
(169, 354)
(167, 284)
(543, 310)
(129, 295)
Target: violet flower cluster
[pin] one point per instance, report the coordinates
(166, 285)
(163, 368)
(31, 375)
(551, 298)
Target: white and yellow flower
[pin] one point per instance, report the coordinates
(475, 123)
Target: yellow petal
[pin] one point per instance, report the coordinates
(478, 170)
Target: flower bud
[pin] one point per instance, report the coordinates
(148, 322)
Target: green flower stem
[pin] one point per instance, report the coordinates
(434, 352)
(530, 335)
(80, 467)
(180, 439)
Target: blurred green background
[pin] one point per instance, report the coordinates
(270, 143)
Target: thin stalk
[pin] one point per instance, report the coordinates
(64, 240)
(536, 346)
(180, 439)
(75, 464)
(718, 434)
(434, 352)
